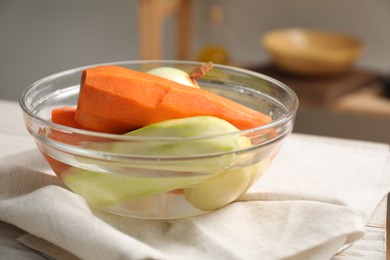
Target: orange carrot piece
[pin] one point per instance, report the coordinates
(114, 99)
(65, 116)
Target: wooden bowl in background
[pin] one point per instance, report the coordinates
(312, 52)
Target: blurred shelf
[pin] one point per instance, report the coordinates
(358, 91)
(368, 101)
(352, 106)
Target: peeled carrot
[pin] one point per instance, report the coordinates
(115, 99)
(65, 116)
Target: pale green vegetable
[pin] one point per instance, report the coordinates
(207, 155)
(174, 74)
(220, 190)
(105, 190)
(224, 187)
(258, 170)
(166, 171)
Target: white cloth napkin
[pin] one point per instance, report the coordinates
(316, 197)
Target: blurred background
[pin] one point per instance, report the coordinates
(42, 37)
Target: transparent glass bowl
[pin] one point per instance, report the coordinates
(160, 186)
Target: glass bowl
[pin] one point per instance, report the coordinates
(129, 182)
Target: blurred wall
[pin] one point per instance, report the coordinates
(41, 37)
(245, 21)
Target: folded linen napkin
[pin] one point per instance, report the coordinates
(315, 198)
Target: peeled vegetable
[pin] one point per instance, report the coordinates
(182, 77)
(65, 116)
(103, 188)
(174, 74)
(188, 134)
(220, 190)
(224, 187)
(163, 103)
(117, 100)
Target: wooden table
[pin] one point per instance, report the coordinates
(371, 246)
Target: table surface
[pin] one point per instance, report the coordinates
(371, 246)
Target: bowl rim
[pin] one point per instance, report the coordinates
(289, 116)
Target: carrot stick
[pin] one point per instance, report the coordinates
(65, 116)
(114, 99)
